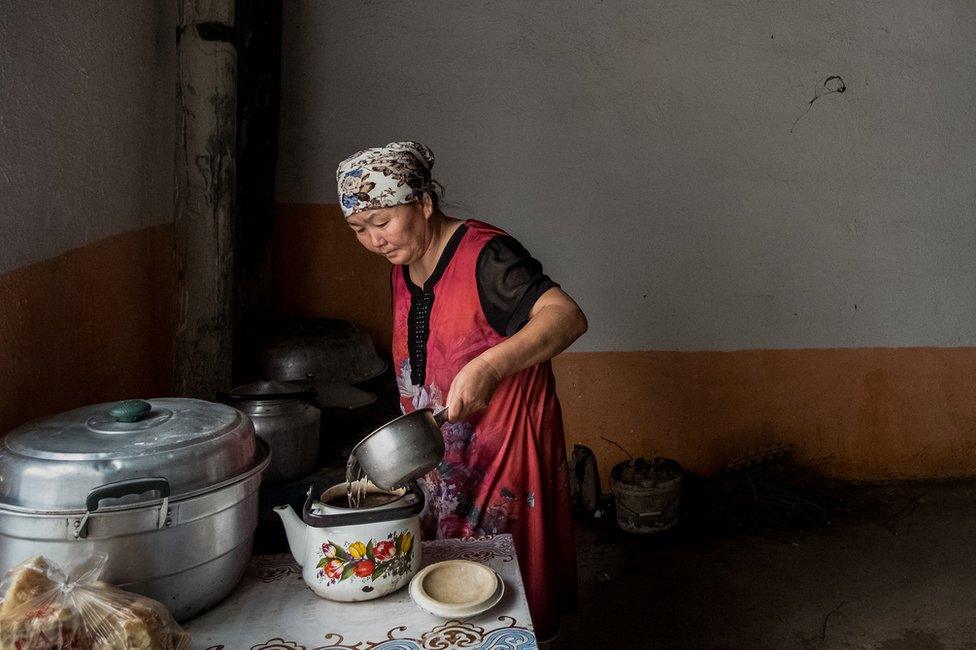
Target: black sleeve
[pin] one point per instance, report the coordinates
(509, 282)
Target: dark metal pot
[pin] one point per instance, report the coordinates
(333, 350)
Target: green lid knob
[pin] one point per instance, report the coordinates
(131, 410)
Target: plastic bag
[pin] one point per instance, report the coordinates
(47, 607)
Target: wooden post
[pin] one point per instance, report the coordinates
(206, 125)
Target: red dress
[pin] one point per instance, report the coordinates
(504, 469)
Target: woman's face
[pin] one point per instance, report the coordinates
(399, 234)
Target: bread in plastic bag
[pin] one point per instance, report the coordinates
(47, 607)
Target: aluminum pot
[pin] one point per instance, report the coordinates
(167, 487)
(287, 417)
(402, 450)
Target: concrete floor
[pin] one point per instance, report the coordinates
(913, 587)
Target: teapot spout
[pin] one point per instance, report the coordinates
(295, 530)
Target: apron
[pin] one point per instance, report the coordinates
(504, 469)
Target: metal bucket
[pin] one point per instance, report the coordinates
(645, 509)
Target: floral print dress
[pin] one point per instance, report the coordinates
(504, 469)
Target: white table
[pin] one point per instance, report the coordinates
(273, 609)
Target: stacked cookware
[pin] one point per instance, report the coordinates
(167, 487)
(335, 358)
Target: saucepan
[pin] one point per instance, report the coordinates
(402, 450)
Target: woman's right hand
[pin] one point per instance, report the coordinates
(471, 389)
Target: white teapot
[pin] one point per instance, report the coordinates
(356, 554)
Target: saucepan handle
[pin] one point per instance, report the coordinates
(440, 418)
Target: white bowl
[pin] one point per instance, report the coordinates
(456, 589)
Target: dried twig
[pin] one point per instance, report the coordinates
(631, 456)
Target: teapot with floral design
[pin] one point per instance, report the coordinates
(351, 554)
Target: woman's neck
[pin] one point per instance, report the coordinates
(441, 228)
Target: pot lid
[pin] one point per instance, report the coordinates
(271, 390)
(53, 463)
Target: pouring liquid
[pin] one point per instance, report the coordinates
(355, 483)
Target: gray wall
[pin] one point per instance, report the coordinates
(643, 150)
(87, 123)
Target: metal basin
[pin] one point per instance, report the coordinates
(334, 350)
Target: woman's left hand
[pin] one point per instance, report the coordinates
(471, 389)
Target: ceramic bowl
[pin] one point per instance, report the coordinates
(456, 589)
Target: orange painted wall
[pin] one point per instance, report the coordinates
(880, 412)
(91, 325)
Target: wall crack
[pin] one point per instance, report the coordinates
(832, 84)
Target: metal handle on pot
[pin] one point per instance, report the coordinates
(313, 397)
(120, 489)
(440, 418)
(364, 517)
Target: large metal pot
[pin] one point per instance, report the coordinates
(167, 487)
(286, 417)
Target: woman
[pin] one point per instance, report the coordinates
(475, 323)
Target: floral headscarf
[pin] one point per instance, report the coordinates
(384, 177)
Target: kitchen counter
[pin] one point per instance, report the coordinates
(273, 609)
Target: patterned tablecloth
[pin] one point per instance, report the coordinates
(273, 609)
